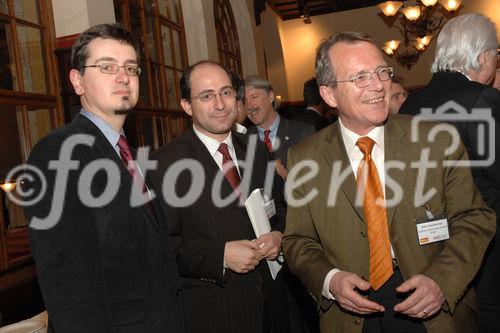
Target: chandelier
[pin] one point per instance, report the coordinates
(418, 24)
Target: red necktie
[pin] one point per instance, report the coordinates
(375, 216)
(267, 141)
(128, 160)
(231, 173)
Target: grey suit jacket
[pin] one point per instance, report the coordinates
(289, 133)
(328, 230)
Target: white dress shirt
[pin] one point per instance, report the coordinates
(213, 146)
(355, 157)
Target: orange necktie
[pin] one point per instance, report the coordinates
(375, 217)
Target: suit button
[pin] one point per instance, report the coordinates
(178, 292)
(357, 322)
(363, 234)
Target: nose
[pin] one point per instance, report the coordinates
(376, 83)
(122, 77)
(218, 102)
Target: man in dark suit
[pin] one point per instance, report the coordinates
(102, 258)
(366, 255)
(315, 106)
(461, 77)
(278, 133)
(227, 283)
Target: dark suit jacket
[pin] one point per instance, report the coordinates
(473, 97)
(102, 269)
(312, 118)
(215, 301)
(329, 230)
(289, 133)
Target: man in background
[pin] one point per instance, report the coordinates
(464, 66)
(102, 266)
(398, 95)
(278, 133)
(315, 106)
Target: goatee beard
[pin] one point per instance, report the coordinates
(122, 112)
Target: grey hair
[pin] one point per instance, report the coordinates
(462, 40)
(325, 71)
(259, 83)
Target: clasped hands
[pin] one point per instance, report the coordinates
(242, 256)
(426, 299)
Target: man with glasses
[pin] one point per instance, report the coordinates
(357, 212)
(463, 69)
(227, 284)
(398, 95)
(104, 264)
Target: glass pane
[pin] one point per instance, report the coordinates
(3, 6)
(172, 98)
(27, 10)
(40, 123)
(143, 85)
(136, 27)
(168, 8)
(177, 49)
(173, 6)
(148, 131)
(10, 141)
(150, 42)
(159, 131)
(156, 85)
(30, 47)
(167, 49)
(8, 78)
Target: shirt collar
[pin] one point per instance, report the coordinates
(350, 138)
(111, 135)
(273, 128)
(212, 144)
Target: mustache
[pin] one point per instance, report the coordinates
(252, 110)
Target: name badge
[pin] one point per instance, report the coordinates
(432, 230)
(270, 208)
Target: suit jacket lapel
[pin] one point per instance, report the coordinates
(105, 150)
(335, 152)
(396, 150)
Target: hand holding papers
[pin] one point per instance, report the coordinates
(260, 222)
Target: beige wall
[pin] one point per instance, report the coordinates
(299, 42)
(74, 16)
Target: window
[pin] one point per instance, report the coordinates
(227, 36)
(158, 25)
(29, 106)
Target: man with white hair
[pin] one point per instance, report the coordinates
(464, 66)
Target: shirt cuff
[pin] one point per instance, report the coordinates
(326, 285)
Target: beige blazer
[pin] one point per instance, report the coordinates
(329, 230)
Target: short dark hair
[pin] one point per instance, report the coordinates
(239, 86)
(311, 93)
(186, 74)
(80, 52)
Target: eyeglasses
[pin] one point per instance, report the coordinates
(112, 68)
(365, 79)
(207, 97)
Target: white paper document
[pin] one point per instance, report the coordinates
(260, 222)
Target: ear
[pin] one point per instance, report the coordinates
(186, 106)
(328, 96)
(76, 80)
(271, 96)
(483, 60)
